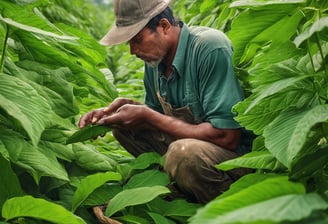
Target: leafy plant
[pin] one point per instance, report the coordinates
(53, 69)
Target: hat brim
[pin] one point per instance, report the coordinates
(121, 34)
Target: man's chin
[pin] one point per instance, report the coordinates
(152, 64)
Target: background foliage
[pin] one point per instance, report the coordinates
(53, 70)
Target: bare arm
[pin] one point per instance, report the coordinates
(130, 115)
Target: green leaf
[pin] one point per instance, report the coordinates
(30, 157)
(145, 160)
(272, 23)
(159, 219)
(291, 207)
(36, 30)
(175, 208)
(317, 26)
(251, 3)
(254, 160)
(287, 134)
(99, 161)
(37, 208)
(259, 192)
(24, 104)
(87, 133)
(309, 163)
(134, 196)
(10, 185)
(148, 178)
(89, 184)
(274, 88)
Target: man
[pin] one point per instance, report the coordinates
(190, 90)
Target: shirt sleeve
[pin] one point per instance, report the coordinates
(219, 89)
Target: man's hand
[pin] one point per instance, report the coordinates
(128, 115)
(93, 117)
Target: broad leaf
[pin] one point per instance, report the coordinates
(272, 23)
(10, 185)
(89, 184)
(30, 157)
(310, 163)
(317, 26)
(291, 207)
(159, 219)
(37, 208)
(175, 208)
(87, 133)
(99, 161)
(36, 30)
(256, 193)
(148, 178)
(145, 160)
(254, 160)
(25, 105)
(286, 135)
(134, 196)
(252, 3)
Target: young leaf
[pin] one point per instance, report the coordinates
(88, 132)
(37, 208)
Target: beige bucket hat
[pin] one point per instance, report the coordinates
(131, 17)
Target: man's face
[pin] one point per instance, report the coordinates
(148, 46)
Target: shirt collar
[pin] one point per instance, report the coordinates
(179, 58)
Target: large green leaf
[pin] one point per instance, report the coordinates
(310, 163)
(134, 196)
(287, 134)
(89, 184)
(175, 208)
(35, 30)
(10, 185)
(255, 160)
(291, 207)
(52, 84)
(271, 23)
(253, 3)
(145, 160)
(270, 107)
(317, 26)
(30, 157)
(37, 208)
(87, 133)
(99, 161)
(148, 178)
(25, 105)
(256, 193)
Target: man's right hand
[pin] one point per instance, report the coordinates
(94, 116)
(91, 117)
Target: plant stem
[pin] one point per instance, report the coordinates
(321, 54)
(2, 62)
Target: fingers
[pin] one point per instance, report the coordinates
(91, 117)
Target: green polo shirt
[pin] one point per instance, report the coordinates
(203, 78)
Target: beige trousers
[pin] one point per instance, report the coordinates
(189, 162)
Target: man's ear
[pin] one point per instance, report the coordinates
(165, 25)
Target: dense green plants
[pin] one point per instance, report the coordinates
(52, 70)
(282, 46)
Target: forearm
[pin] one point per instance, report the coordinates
(226, 138)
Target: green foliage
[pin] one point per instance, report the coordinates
(53, 69)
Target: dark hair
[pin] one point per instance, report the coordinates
(166, 14)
